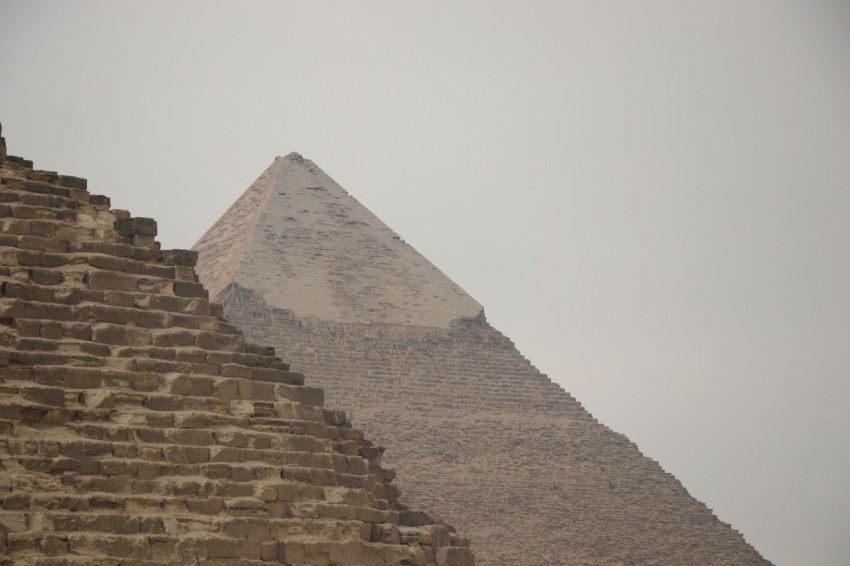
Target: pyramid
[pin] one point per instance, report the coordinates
(479, 437)
(139, 427)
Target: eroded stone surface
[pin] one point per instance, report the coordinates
(479, 436)
(137, 426)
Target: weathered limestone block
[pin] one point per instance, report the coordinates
(135, 226)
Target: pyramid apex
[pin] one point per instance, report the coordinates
(283, 223)
(292, 156)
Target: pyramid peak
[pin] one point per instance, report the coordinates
(291, 156)
(282, 225)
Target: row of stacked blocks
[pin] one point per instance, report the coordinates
(138, 427)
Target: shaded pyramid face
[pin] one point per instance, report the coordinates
(479, 436)
(138, 427)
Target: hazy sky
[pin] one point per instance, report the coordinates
(650, 198)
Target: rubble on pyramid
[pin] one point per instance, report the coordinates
(479, 437)
(137, 426)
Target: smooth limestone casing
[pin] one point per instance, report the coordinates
(138, 427)
(281, 239)
(479, 436)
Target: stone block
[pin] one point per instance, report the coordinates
(386, 533)
(40, 243)
(150, 320)
(50, 331)
(186, 454)
(25, 212)
(214, 341)
(269, 551)
(36, 344)
(455, 556)
(108, 334)
(98, 399)
(11, 542)
(71, 182)
(79, 195)
(140, 241)
(192, 437)
(440, 536)
(28, 328)
(44, 396)
(232, 438)
(115, 315)
(226, 454)
(368, 515)
(334, 417)
(291, 552)
(262, 391)
(301, 394)
(208, 506)
(277, 376)
(82, 378)
(192, 386)
(189, 289)
(235, 370)
(134, 336)
(68, 296)
(57, 312)
(53, 260)
(15, 501)
(165, 403)
(217, 310)
(373, 555)
(118, 468)
(110, 281)
(109, 262)
(226, 389)
(410, 518)
(457, 540)
(145, 381)
(45, 276)
(296, 492)
(180, 257)
(45, 230)
(120, 299)
(148, 470)
(27, 292)
(317, 553)
(193, 548)
(133, 226)
(258, 529)
(345, 552)
(174, 338)
(53, 545)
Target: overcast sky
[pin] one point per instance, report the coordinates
(650, 198)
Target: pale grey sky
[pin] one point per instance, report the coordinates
(650, 198)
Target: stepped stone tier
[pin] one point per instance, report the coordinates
(138, 427)
(480, 437)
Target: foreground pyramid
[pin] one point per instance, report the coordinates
(138, 427)
(479, 436)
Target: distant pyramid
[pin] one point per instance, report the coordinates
(480, 437)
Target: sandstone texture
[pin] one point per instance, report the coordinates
(480, 438)
(137, 426)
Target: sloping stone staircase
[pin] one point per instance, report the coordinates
(138, 427)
